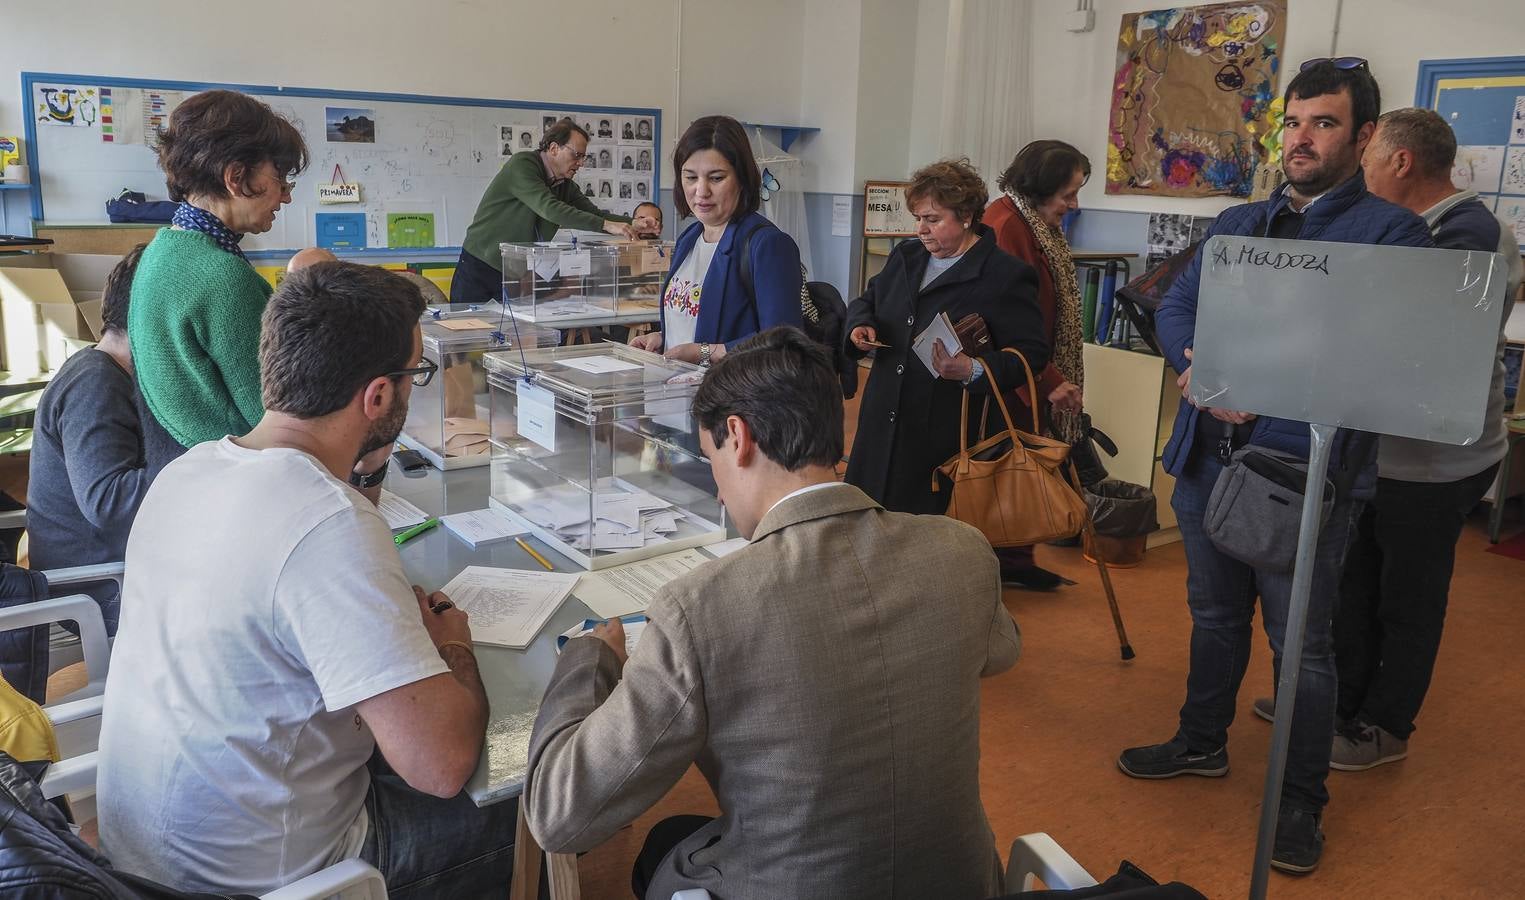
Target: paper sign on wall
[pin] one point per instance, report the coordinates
(340, 231)
(341, 192)
(410, 229)
(537, 414)
(884, 210)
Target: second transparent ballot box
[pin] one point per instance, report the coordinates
(448, 419)
(595, 450)
(549, 282)
(643, 266)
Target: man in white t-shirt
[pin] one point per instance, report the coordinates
(271, 645)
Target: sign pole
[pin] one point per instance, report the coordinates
(1292, 653)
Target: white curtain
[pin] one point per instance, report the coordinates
(987, 83)
(784, 207)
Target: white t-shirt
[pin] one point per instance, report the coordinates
(264, 599)
(680, 305)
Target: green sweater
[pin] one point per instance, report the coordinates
(522, 205)
(194, 323)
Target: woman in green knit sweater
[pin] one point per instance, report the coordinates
(196, 301)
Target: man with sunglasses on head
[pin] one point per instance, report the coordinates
(1331, 112)
(280, 697)
(533, 195)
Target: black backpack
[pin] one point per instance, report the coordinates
(822, 314)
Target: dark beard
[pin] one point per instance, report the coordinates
(384, 432)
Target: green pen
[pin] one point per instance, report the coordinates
(415, 531)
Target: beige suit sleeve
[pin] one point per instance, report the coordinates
(603, 753)
(1005, 643)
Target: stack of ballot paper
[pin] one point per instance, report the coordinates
(508, 607)
(622, 520)
(398, 512)
(466, 437)
(481, 527)
(634, 627)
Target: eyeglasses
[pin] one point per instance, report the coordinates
(576, 156)
(421, 374)
(1339, 62)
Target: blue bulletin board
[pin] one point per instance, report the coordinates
(1484, 100)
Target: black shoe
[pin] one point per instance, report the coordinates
(1299, 841)
(1172, 758)
(1031, 577)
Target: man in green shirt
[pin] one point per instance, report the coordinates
(533, 195)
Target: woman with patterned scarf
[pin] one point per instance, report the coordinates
(1039, 187)
(194, 319)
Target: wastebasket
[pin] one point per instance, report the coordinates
(1122, 517)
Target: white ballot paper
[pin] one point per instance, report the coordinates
(398, 512)
(508, 607)
(941, 327)
(628, 589)
(603, 364)
(481, 527)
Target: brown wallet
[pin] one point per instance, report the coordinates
(972, 334)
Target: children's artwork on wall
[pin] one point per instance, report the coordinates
(1191, 85)
(75, 105)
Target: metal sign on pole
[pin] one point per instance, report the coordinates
(1388, 340)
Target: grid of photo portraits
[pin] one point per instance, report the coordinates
(618, 171)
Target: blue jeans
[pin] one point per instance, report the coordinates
(427, 847)
(1221, 593)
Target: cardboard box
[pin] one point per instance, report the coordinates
(49, 302)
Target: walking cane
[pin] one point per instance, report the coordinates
(1106, 578)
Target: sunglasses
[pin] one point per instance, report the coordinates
(1339, 62)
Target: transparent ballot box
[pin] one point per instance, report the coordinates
(642, 267)
(550, 281)
(597, 453)
(448, 418)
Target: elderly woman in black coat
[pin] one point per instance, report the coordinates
(909, 419)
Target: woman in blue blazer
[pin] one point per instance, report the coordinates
(733, 272)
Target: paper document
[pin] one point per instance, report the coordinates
(726, 548)
(941, 327)
(398, 512)
(508, 607)
(465, 324)
(630, 588)
(481, 527)
(601, 365)
(634, 626)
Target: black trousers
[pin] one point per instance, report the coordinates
(1393, 597)
(660, 841)
(475, 281)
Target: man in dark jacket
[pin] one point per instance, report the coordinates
(1398, 573)
(1331, 112)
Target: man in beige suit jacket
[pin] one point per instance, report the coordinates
(825, 677)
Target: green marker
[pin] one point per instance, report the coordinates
(414, 532)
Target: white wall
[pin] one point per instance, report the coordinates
(829, 95)
(1072, 73)
(736, 56)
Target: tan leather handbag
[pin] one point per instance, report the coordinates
(1012, 485)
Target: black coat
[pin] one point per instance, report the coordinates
(908, 422)
(40, 856)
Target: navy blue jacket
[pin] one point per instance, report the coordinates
(727, 313)
(1349, 214)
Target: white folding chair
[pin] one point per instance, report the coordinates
(1038, 856)
(352, 879)
(64, 648)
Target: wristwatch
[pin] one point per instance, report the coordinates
(704, 355)
(371, 480)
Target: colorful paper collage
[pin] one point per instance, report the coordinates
(1193, 85)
